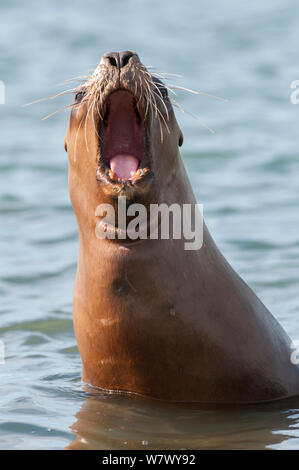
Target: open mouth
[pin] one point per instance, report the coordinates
(123, 138)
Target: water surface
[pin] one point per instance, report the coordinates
(246, 175)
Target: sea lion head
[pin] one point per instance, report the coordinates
(122, 137)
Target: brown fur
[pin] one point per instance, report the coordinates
(150, 317)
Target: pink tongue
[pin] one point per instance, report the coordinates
(124, 166)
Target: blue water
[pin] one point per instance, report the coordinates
(246, 175)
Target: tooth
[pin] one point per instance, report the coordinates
(101, 170)
(112, 175)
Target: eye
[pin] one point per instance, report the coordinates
(162, 91)
(80, 95)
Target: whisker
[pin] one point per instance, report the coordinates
(80, 80)
(166, 75)
(169, 89)
(172, 87)
(94, 124)
(57, 111)
(162, 101)
(62, 93)
(177, 105)
(194, 92)
(163, 121)
(147, 87)
(151, 81)
(76, 138)
(78, 77)
(90, 102)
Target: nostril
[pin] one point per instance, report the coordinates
(119, 60)
(125, 57)
(111, 58)
(112, 61)
(125, 60)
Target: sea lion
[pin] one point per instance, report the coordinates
(151, 317)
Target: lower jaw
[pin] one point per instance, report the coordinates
(134, 190)
(143, 173)
(138, 175)
(106, 175)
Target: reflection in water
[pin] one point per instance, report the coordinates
(126, 422)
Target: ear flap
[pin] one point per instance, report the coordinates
(181, 139)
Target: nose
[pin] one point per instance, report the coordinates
(118, 59)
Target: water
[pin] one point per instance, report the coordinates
(246, 175)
